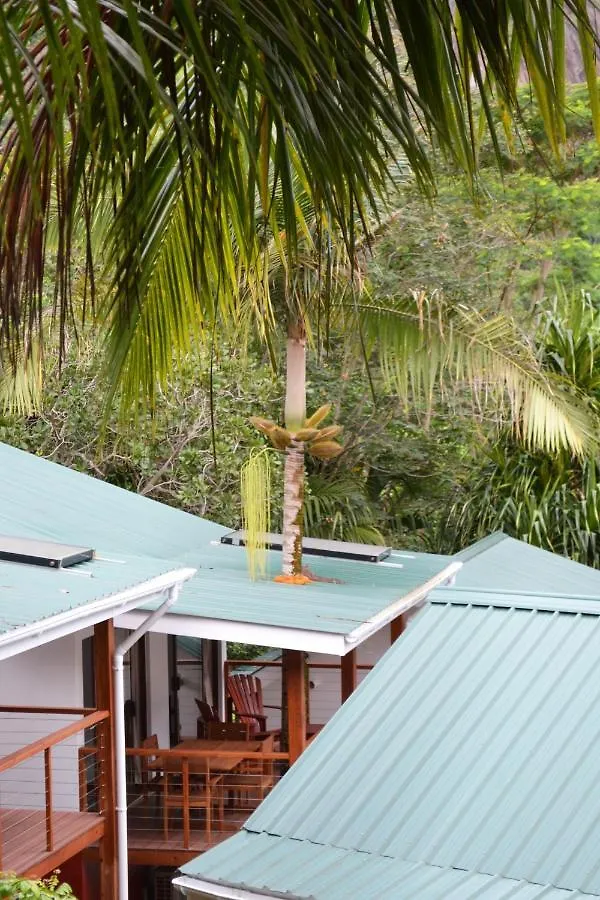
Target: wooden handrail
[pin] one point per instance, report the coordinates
(39, 746)
(206, 754)
(276, 664)
(50, 710)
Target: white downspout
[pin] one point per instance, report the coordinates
(121, 761)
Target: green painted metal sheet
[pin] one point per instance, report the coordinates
(472, 745)
(502, 563)
(222, 589)
(32, 594)
(41, 499)
(302, 871)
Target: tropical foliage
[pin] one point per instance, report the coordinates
(550, 500)
(15, 888)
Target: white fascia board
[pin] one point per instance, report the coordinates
(242, 632)
(27, 637)
(387, 615)
(198, 888)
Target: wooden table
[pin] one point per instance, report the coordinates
(217, 765)
(236, 752)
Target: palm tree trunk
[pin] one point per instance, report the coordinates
(295, 415)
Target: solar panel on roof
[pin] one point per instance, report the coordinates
(318, 547)
(42, 553)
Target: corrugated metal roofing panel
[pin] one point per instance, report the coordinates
(502, 563)
(31, 594)
(472, 745)
(223, 590)
(41, 499)
(306, 871)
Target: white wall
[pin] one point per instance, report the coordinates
(325, 691)
(191, 687)
(50, 675)
(157, 669)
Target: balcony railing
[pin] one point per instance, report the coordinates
(190, 800)
(52, 792)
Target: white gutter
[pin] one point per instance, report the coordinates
(290, 638)
(198, 887)
(401, 606)
(119, 725)
(26, 637)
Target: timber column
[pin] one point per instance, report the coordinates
(397, 626)
(104, 648)
(348, 674)
(295, 683)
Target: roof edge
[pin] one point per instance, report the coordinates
(562, 603)
(224, 891)
(26, 637)
(481, 546)
(383, 618)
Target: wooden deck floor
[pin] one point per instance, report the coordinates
(23, 839)
(146, 839)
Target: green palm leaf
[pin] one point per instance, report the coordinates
(422, 340)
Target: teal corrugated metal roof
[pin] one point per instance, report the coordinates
(31, 594)
(41, 499)
(303, 871)
(502, 563)
(222, 589)
(472, 745)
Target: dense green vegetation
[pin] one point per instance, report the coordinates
(423, 476)
(14, 888)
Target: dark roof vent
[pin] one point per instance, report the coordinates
(41, 553)
(318, 547)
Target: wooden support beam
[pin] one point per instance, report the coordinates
(397, 626)
(348, 674)
(294, 668)
(48, 777)
(104, 648)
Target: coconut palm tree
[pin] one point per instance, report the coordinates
(162, 124)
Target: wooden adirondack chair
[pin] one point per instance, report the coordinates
(246, 694)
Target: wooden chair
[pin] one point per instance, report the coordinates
(207, 715)
(228, 731)
(246, 694)
(152, 780)
(254, 778)
(185, 792)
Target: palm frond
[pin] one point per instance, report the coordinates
(422, 340)
(21, 384)
(242, 97)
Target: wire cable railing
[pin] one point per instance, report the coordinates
(52, 788)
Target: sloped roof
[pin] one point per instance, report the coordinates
(471, 747)
(501, 563)
(39, 604)
(353, 600)
(269, 866)
(39, 498)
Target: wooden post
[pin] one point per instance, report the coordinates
(348, 674)
(293, 673)
(397, 626)
(104, 648)
(48, 775)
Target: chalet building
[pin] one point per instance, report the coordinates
(57, 786)
(171, 786)
(464, 766)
